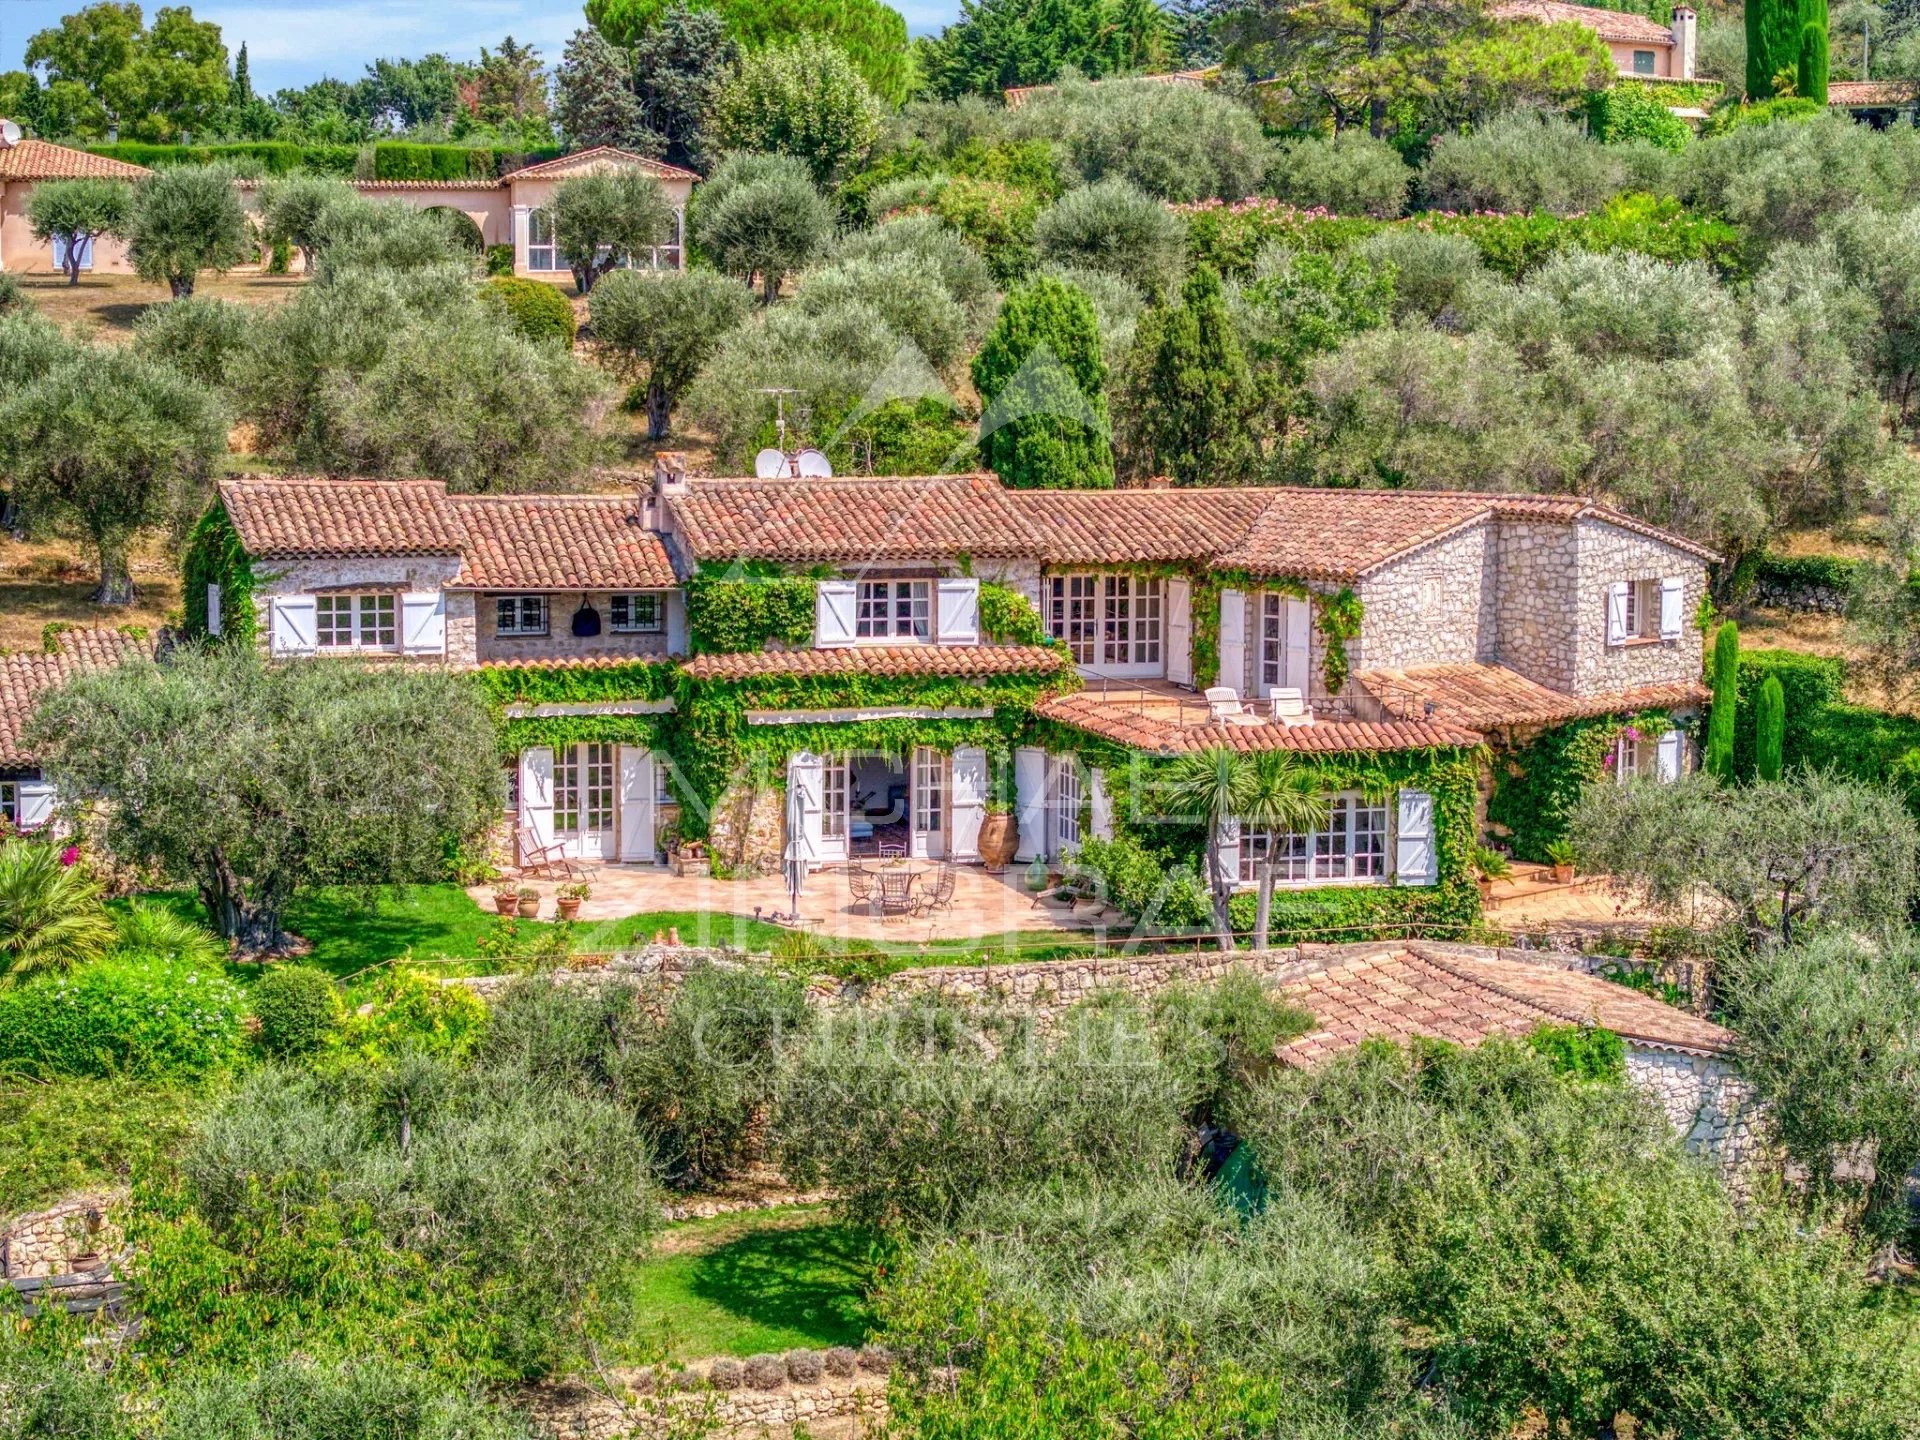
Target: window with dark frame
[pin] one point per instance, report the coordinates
(1644, 62)
(639, 613)
(520, 615)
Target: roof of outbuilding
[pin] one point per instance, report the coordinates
(311, 515)
(565, 165)
(1607, 24)
(892, 660)
(1468, 995)
(558, 542)
(1143, 728)
(1485, 696)
(25, 678)
(43, 160)
(1845, 94)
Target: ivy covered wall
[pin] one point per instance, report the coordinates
(1536, 786)
(215, 556)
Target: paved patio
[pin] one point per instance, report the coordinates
(983, 903)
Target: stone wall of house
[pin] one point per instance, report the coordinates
(395, 573)
(560, 643)
(1433, 607)
(1536, 601)
(747, 831)
(1608, 554)
(1015, 574)
(73, 1235)
(1705, 1100)
(841, 1394)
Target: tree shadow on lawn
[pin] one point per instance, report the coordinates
(812, 1280)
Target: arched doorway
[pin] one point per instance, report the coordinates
(460, 225)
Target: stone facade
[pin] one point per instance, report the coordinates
(835, 1405)
(391, 573)
(747, 831)
(1704, 1099)
(74, 1235)
(1607, 554)
(1436, 606)
(560, 643)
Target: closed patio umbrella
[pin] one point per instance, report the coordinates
(797, 848)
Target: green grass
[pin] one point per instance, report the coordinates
(65, 1135)
(750, 1284)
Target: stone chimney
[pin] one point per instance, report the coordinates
(669, 480)
(1686, 41)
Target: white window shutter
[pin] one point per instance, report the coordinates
(1030, 800)
(1226, 842)
(1416, 859)
(1233, 640)
(536, 793)
(1099, 805)
(1673, 599)
(833, 614)
(1617, 613)
(1297, 623)
(423, 622)
(213, 610)
(969, 777)
(1180, 631)
(36, 804)
(1669, 757)
(676, 622)
(293, 625)
(959, 611)
(637, 788)
(806, 783)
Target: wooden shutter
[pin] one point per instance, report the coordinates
(423, 622)
(1030, 800)
(969, 794)
(1180, 631)
(637, 789)
(1669, 758)
(1673, 599)
(36, 803)
(293, 625)
(1416, 859)
(806, 785)
(1297, 627)
(213, 610)
(1617, 613)
(959, 611)
(536, 793)
(834, 607)
(676, 603)
(1233, 640)
(1100, 805)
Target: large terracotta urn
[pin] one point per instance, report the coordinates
(999, 838)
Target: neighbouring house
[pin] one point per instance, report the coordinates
(512, 210)
(1015, 96)
(1642, 49)
(1879, 103)
(26, 795)
(903, 654)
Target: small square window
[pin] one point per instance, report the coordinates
(1644, 62)
(637, 614)
(520, 615)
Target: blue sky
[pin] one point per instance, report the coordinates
(290, 42)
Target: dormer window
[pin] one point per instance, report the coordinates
(638, 614)
(520, 615)
(894, 610)
(355, 622)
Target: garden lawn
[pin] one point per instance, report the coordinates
(741, 1285)
(59, 1136)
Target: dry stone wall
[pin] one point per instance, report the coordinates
(1538, 598)
(837, 1392)
(76, 1234)
(1433, 607)
(1705, 1100)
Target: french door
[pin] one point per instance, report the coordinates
(583, 781)
(929, 804)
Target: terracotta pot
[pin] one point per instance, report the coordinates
(506, 904)
(1563, 874)
(569, 909)
(527, 909)
(1486, 889)
(999, 838)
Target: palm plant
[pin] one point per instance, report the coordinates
(51, 917)
(1283, 798)
(149, 929)
(1215, 785)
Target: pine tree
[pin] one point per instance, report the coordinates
(1770, 729)
(1193, 389)
(1043, 422)
(595, 101)
(1726, 680)
(241, 89)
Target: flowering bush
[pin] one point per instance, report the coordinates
(129, 1015)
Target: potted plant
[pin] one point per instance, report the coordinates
(568, 897)
(529, 902)
(506, 898)
(999, 834)
(1560, 856)
(1489, 865)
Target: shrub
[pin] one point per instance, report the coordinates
(1626, 111)
(1112, 226)
(298, 1010)
(804, 1367)
(14, 299)
(133, 1016)
(841, 1362)
(909, 292)
(1584, 1052)
(725, 1374)
(51, 918)
(1351, 174)
(765, 1372)
(1435, 277)
(537, 309)
(297, 1399)
(144, 928)
(197, 336)
(412, 1010)
(499, 261)
(962, 270)
(1522, 161)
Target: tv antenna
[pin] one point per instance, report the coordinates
(780, 394)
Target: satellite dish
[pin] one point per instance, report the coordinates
(770, 464)
(813, 465)
(9, 134)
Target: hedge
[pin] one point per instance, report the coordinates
(1804, 582)
(389, 159)
(1824, 731)
(276, 157)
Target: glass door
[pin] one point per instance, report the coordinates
(929, 804)
(583, 800)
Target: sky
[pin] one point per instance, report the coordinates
(293, 42)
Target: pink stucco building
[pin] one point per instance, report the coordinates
(1642, 49)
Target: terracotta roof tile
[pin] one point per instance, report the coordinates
(1607, 24)
(960, 660)
(25, 678)
(1453, 993)
(315, 515)
(559, 542)
(1126, 724)
(851, 520)
(1341, 534)
(42, 160)
(1844, 93)
(1112, 527)
(1487, 696)
(585, 159)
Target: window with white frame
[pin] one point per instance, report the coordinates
(520, 615)
(1106, 619)
(1066, 803)
(583, 789)
(511, 765)
(894, 610)
(833, 799)
(1276, 611)
(1633, 755)
(541, 252)
(1643, 610)
(640, 613)
(1350, 845)
(929, 790)
(355, 622)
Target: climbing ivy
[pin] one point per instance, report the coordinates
(1537, 786)
(578, 685)
(215, 556)
(1338, 618)
(737, 610)
(1008, 618)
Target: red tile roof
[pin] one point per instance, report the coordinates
(1607, 24)
(573, 164)
(25, 678)
(558, 542)
(41, 160)
(1150, 728)
(922, 517)
(1488, 696)
(1017, 95)
(1465, 996)
(315, 515)
(960, 660)
(1108, 527)
(1867, 93)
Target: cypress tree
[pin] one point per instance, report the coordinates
(1195, 388)
(1773, 44)
(1811, 79)
(1726, 677)
(1042, 384)
(1770, 729)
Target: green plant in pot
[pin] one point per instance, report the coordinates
(567, 899)
(1489, 865)
(528, 900)
(1560, 856)
(506, 897)
(999, 832)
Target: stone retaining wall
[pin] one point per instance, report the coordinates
(832, 1393)
(49, 1242)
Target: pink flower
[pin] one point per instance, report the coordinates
(70, 856)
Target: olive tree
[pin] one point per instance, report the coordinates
(1116, 227)
(607, 218)
(74, 214)
(184, 220)
(253, 781)
(760, 215)
(292, 209)
(663, 327)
